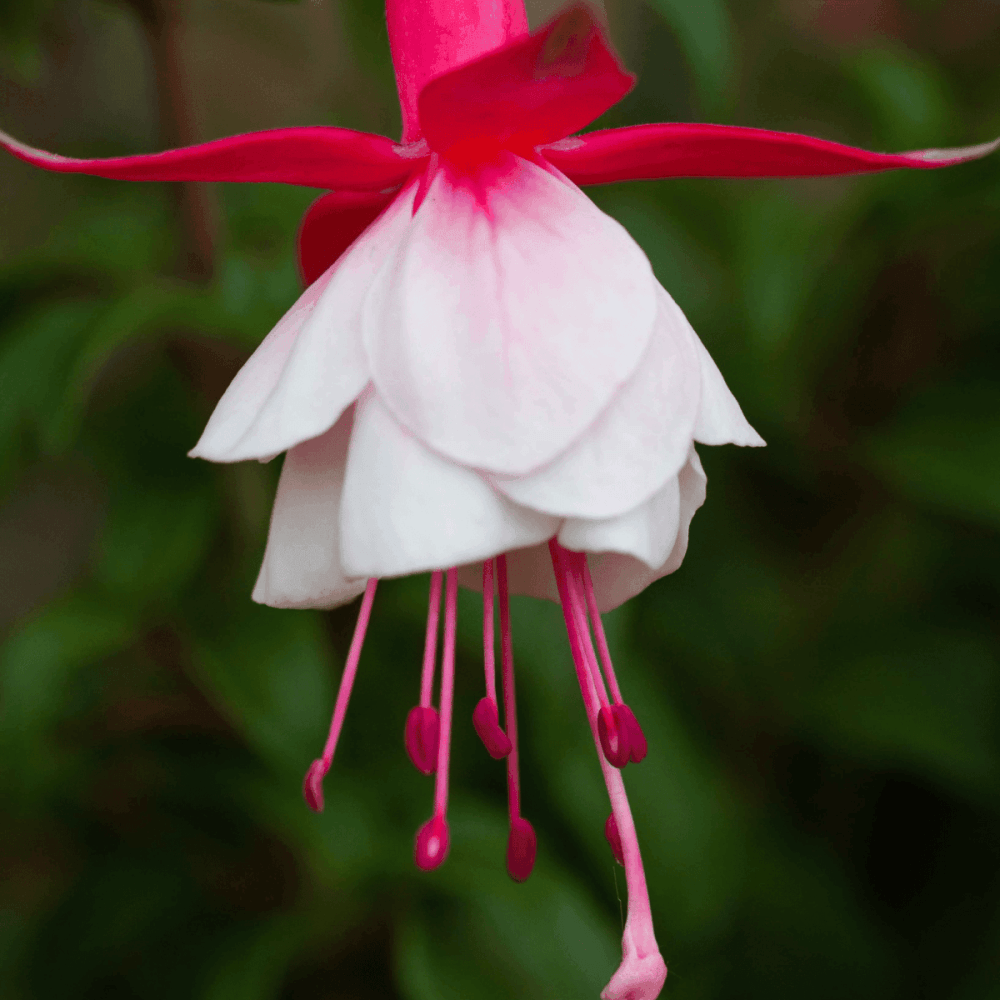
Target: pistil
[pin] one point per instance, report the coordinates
(642, 971)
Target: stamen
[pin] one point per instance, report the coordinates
(624, 733)
(522, 844)
(486, 716)
(423, 724)
(312, 786)
(432, 841)
(642, 972)
(613, 734)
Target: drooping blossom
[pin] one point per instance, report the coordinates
(483, 379)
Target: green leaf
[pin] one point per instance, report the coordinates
(704, 31)
(269, 673)
(37, 662)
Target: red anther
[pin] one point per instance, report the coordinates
(423, 730)
(431, 846)
(614, 839)
(638, 747)
(614, 735)
(312, 784)
(522, 845)
(486, 719)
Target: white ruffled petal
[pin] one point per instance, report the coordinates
(508, 318)
(407, 509)
(720, 419)
(640, 441)
(313, 365)
(302, 566)
(618, 548)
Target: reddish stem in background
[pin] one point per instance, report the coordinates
(162, 22)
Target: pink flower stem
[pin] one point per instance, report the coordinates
(642, 972)
(447, 692)
(313, 785)
(430, 639)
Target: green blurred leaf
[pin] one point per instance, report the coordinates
(153, 542)
(37, 662)
(269, 673)
(941, 452)
(706, 36)
(907, 96)
(927, 703)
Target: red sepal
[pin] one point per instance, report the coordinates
(649, 152)
(534, 90)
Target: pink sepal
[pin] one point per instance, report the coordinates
(614, 839)
(431, 847)
(534, 90)
(331, 224)
(312, 784)
(647, 152)
(315, 156)
(486, 719)
(522, 845)
(421, 737)
(430, 37)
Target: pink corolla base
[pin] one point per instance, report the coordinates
(483, 378)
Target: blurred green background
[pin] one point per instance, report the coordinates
(820, 808)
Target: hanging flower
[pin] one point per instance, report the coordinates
(483, 377)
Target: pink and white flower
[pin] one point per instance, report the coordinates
(483, 378)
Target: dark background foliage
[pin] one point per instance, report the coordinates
(819, 810)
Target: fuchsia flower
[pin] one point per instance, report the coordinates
(483, 378)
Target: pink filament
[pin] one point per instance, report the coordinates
(489, 656)
(642, 972)
(575, 590)
(432, 841)
(447, 692)
(521, 843)
(602, 639)
(313, 785)
(430, 639)
(486, 717)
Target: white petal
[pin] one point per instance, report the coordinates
(640, 441)
(646, 532)
(720, 419)
(618, 572)
(407, 509)
(302, 567)
(619, 576)
(255, 381)
(294, 389)
(511, 314)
